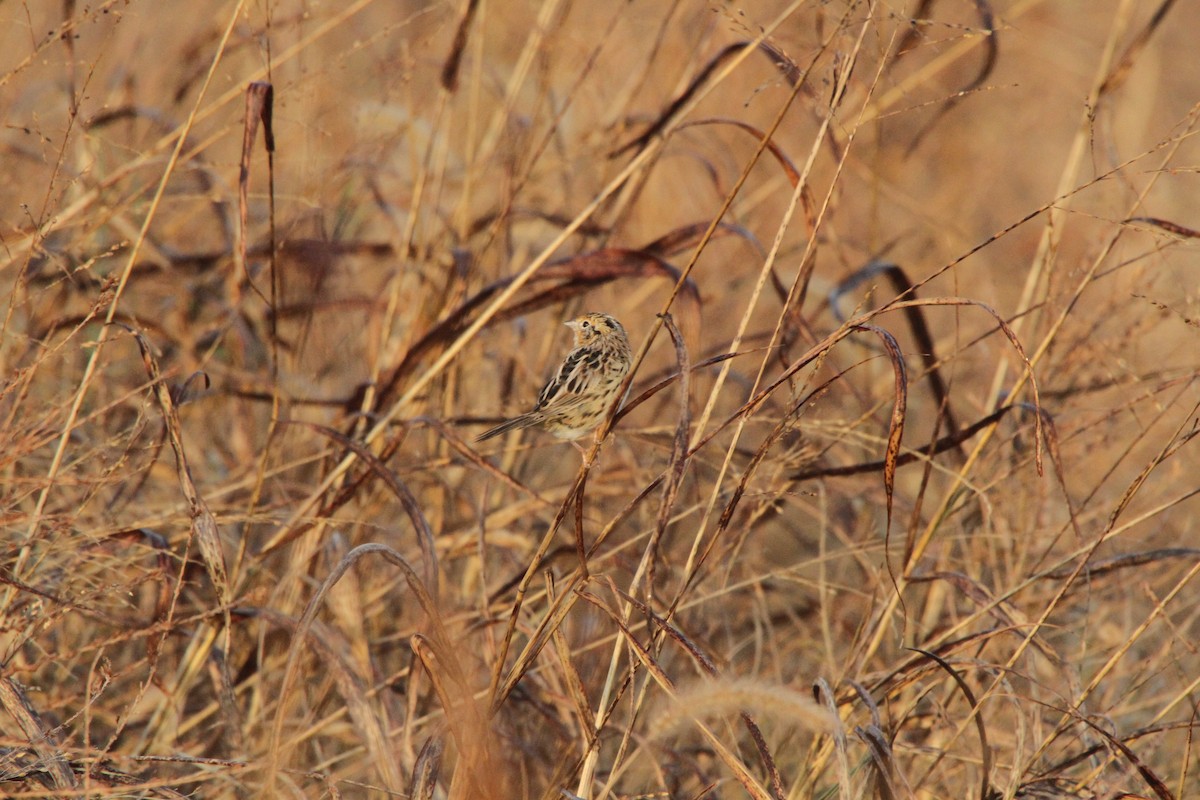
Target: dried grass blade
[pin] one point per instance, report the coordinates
(204, 525)
(952, 440)
(14, 701)
(667, 114)
(1050, 432)
(647, 660)
(1120, 71)
(914, 315)
(757, 458)
(1013, 340)
(402, 493)
(162, 553)
(576, 689)
(679, 450)
(338, 661)
(783, 62)
(787, 67)
(425, 773)
(218, 670)
(1156, 784)
(764, 752)
(573, 275)
(499, 693)
(476, 460)
(781, 158)
(260, 102)
(908, 671)
(865, 319)
(551, 621)
(985, 788)
(1096, 569)
(899, 405)
(824, 696)
(909, 40)
(305, 623)
(476, 763)
(1166, 225)
(707, 664)
(611, 263)
(454, 60)
(987, 20)
(1002, 611)
(667, 381)
(883, 761)
(867, 700)
(687, 236)
(1178, 440)
(580, 547)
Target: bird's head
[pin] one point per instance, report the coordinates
(591, 327)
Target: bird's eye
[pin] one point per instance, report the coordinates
(585, 324)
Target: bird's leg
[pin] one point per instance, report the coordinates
(583, 451)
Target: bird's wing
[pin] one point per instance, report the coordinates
(574, 377)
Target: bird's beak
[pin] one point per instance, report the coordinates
(572, 324)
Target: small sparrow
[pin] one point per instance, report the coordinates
(585, 385)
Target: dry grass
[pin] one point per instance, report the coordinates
(922, 542)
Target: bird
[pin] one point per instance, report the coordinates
(577, 398)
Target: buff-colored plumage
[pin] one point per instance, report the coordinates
(585, 385)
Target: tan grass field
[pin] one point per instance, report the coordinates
(903, 500)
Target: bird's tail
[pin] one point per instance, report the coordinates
(523, 421)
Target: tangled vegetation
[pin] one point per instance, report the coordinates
(901, 499)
